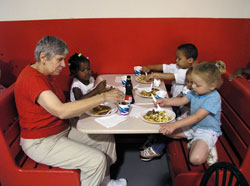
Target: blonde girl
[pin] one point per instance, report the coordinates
(202, 127)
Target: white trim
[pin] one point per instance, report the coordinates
(69, 9)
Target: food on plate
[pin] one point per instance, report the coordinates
(100, 110)
(157, 116)
(142, 78)
(148, 93)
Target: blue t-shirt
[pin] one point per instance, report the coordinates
(210, 102)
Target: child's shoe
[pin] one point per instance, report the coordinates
(212, 156)
(148, 154)
(147, 143)
(119, 182)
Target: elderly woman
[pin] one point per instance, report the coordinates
(46, 137)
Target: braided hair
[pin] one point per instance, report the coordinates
(74, 62)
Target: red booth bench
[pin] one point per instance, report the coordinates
(232, 146)
(16, 169)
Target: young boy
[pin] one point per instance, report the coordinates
(186, 54)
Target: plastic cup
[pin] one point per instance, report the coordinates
(124, 108)
(138, 70)
(124, 80)
(161, 94)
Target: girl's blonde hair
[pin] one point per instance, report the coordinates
(210, 72)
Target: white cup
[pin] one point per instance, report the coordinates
(124, 108)
(161, 94)
(124, 80)
(138, 70)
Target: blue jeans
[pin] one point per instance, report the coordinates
(159, 143)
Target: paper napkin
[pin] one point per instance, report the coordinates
(110, 121)
(118, 79)
(136, 111)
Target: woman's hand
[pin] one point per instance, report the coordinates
(167, 129)
(101, 86)
(114, 95)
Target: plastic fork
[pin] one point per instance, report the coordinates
(109, 112)
(158, 106)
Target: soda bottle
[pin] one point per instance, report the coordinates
(129, 90)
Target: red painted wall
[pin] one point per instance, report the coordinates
(116, 45)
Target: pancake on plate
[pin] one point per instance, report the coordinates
(100, 110)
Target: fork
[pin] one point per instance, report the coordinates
(158, 106)
(109, 112)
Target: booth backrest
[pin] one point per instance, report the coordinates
(236, 120)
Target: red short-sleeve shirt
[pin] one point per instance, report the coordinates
(35, 121)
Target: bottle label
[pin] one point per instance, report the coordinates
(128, 98)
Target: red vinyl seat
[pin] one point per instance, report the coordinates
(16, 169)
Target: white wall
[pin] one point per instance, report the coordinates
(66, 9)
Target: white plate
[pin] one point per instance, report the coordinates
(169, 113)
(138, 91)
(144, 82)
(112, 111)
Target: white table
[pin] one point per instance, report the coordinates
(132, 125)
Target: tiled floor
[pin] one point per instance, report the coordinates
(137, 172)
